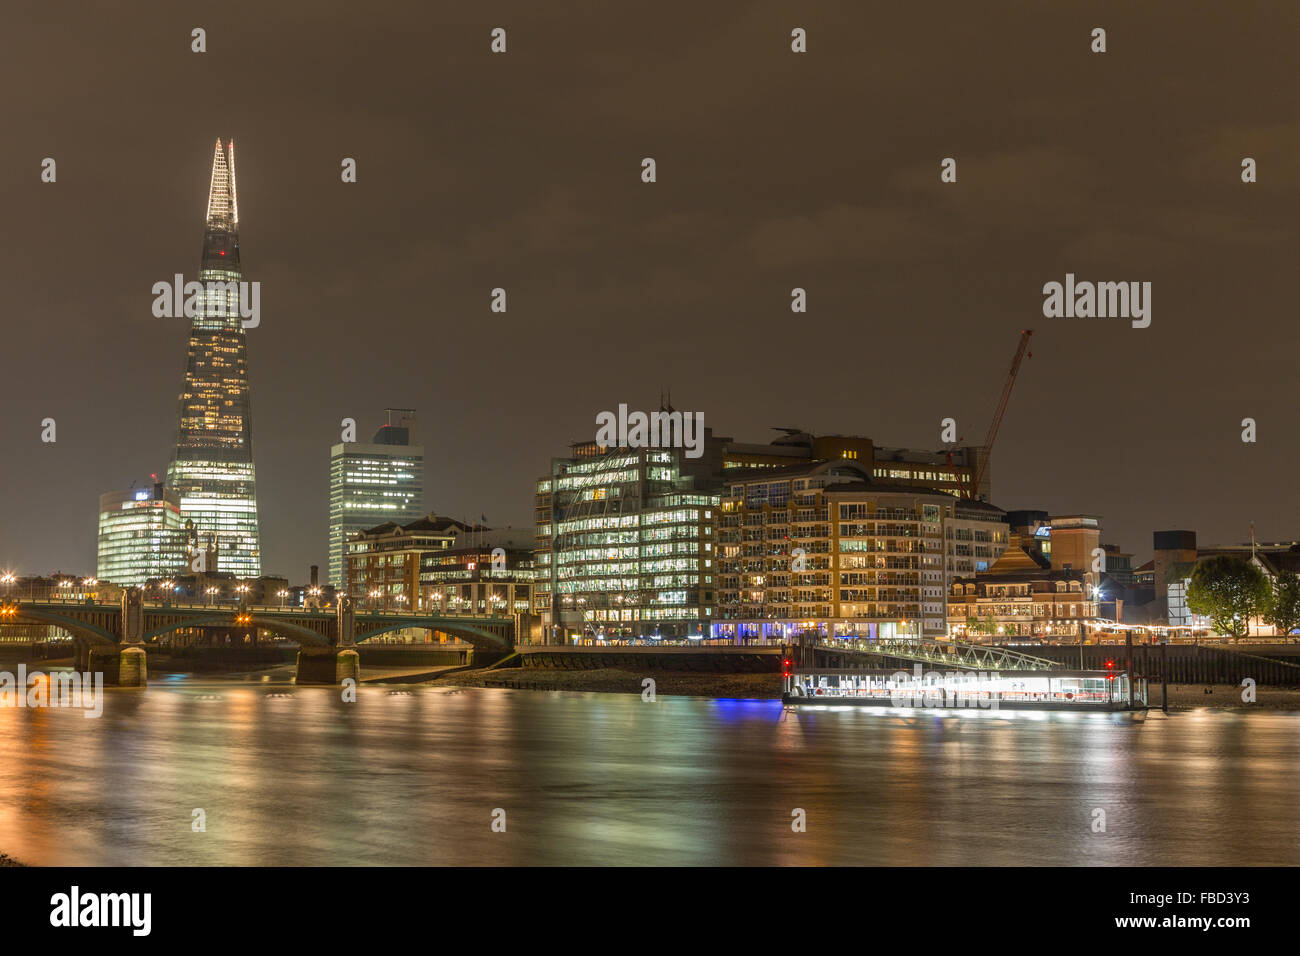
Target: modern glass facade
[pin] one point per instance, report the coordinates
(212, 471)
(371, 484)
(625, 548)
(141, 536)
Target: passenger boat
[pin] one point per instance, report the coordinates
(1074, 691)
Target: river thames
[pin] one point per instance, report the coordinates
(289, 775)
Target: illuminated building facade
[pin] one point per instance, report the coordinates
(625, 543)
(212, 470)
(976, 536)
(491, 574)
(950, 470)
(372, 484)
(824, 548)
(1024, 595)
(383, 562)
(141, 536)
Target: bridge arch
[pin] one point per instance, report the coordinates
(77, 628)
(303, 635)
(475, 635)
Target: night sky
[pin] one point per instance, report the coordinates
(775, 170)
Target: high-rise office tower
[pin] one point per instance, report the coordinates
(625, 545)
(212, 470)
(373, 483)
(141, 536)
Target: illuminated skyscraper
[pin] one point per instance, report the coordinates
(212, 471)
(374, 483)
(141, 536)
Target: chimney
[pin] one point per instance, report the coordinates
(315, 574)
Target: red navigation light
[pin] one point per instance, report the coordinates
(1109, 665)
(222, 252)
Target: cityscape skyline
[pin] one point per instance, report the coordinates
(756, 435)
(1102, 424)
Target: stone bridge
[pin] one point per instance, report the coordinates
(114, 638)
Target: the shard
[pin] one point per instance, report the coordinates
(212, 469)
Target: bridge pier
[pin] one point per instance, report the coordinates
(327, 665)
(133, 667)
(121, 666)
(81, 651)
(334, 664)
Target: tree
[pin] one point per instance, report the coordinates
(1283, 610)
(1229, 592)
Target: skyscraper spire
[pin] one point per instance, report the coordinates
(234, 191)
(212, 470)
(221, 226)
(223, 207)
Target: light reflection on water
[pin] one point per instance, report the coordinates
(411, 775)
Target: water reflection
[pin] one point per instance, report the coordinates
(292, 775)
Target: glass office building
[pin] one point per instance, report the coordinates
(371, 484)
(212, 470)
(141, 536)
(625, 547)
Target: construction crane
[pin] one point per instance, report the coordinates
(970, 488)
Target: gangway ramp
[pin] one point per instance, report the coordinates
(959, 654)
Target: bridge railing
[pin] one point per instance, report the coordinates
(366, 613)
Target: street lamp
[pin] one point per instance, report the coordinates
(282, 594)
